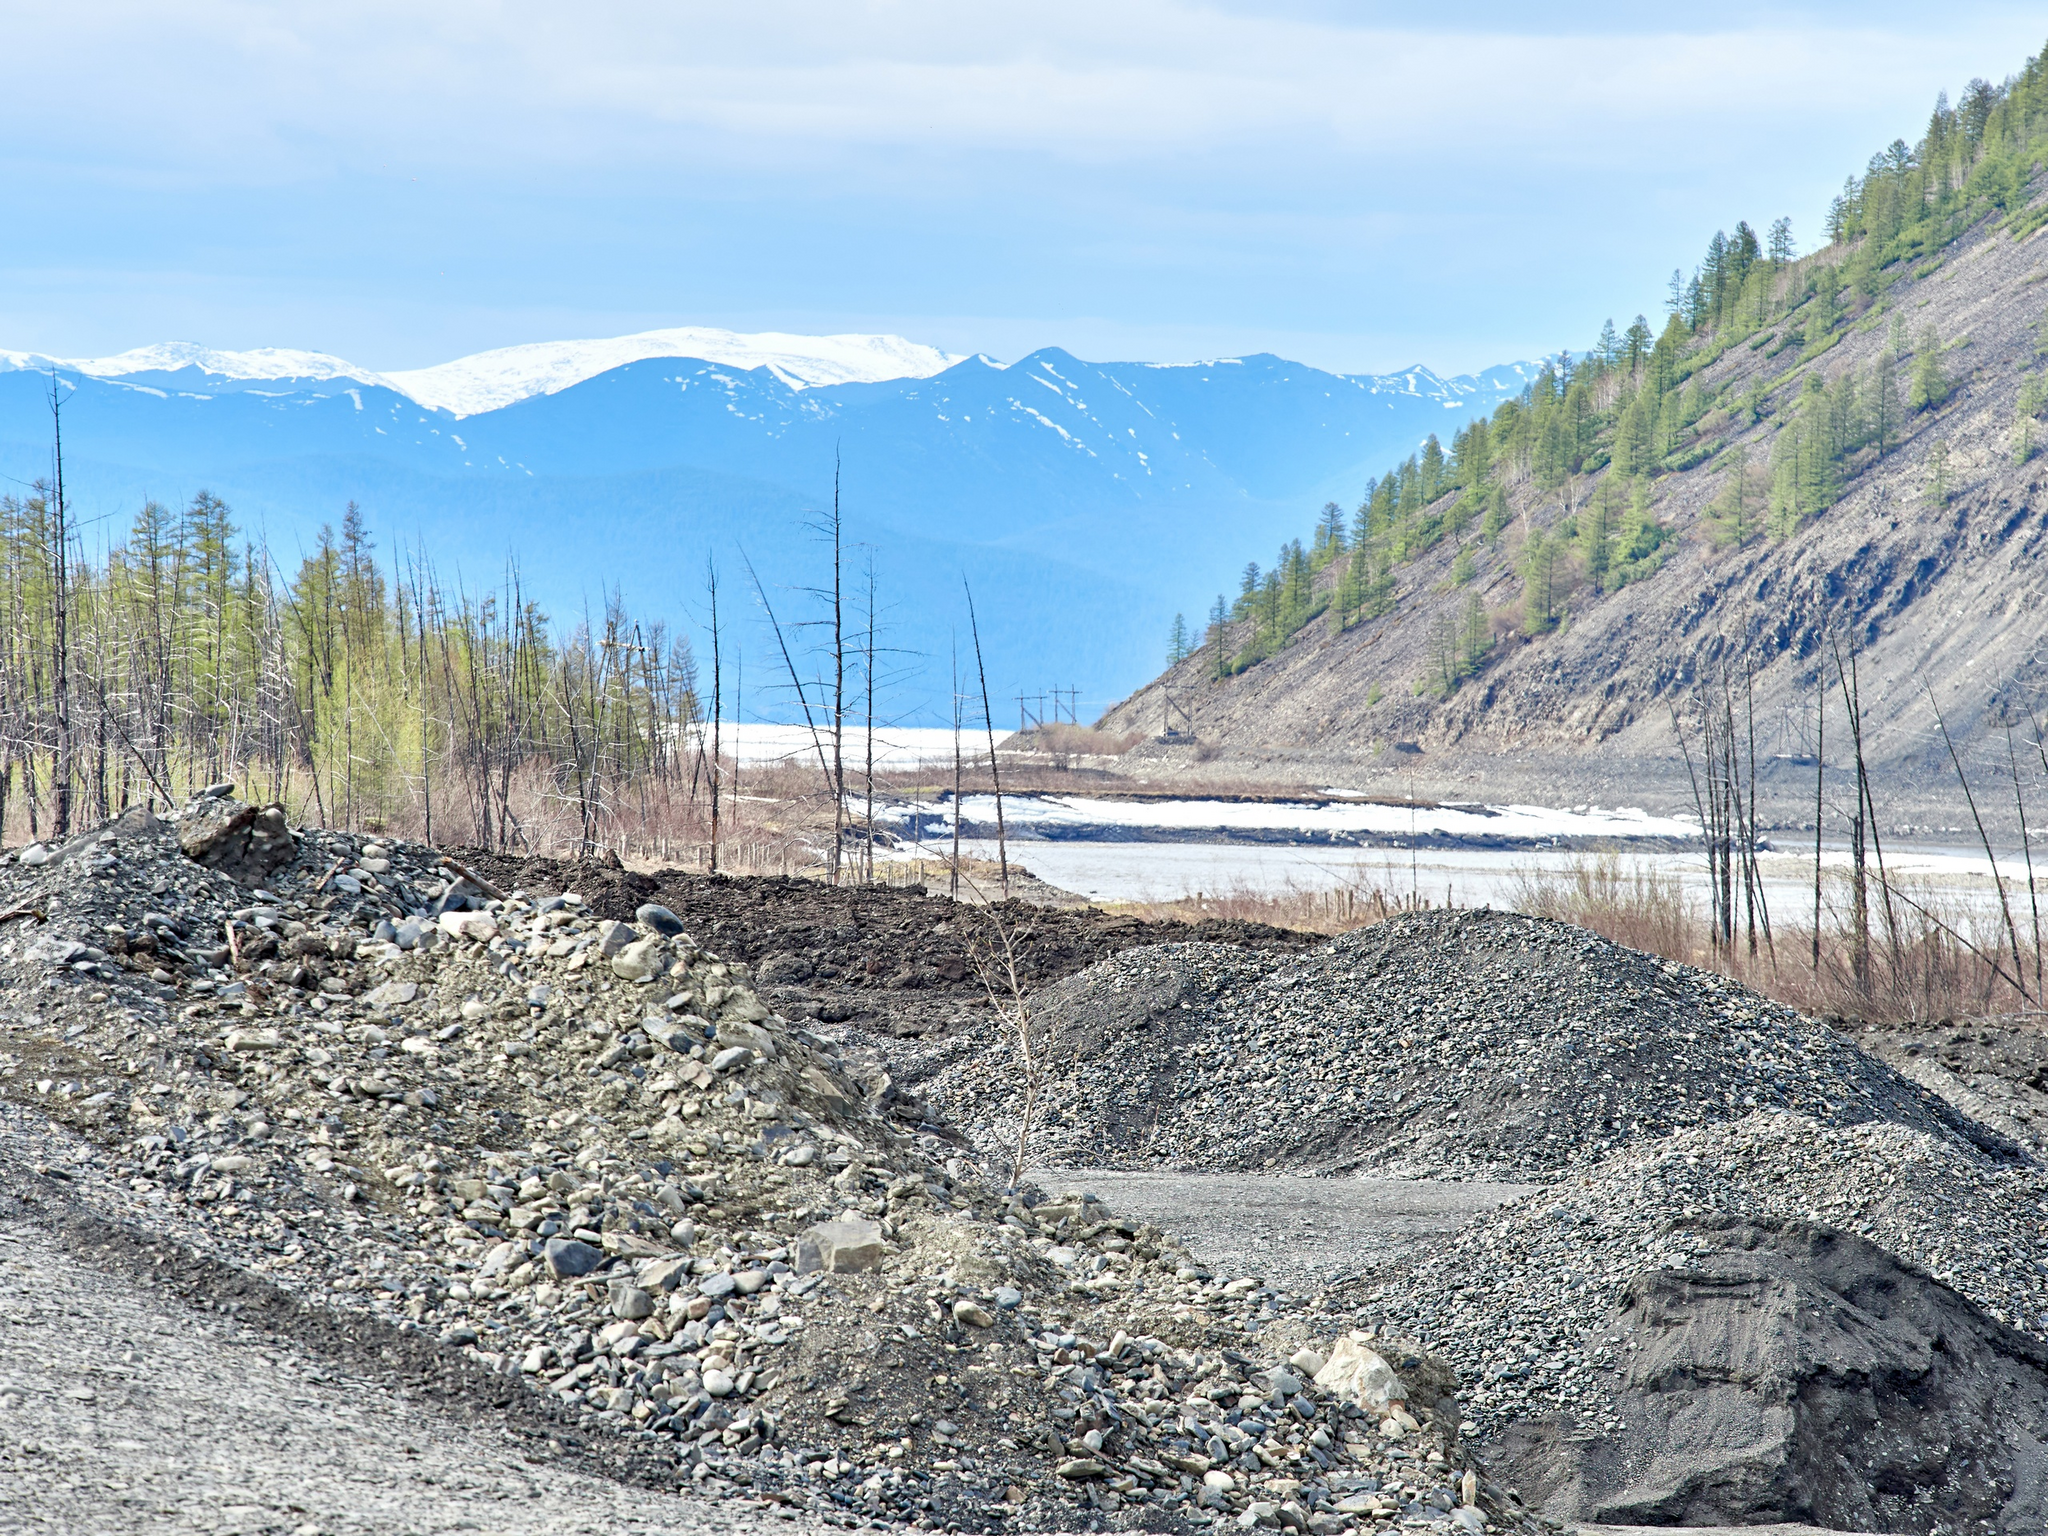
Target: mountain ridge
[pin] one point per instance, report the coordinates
(1088, 493)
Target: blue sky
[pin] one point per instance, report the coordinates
(1360, 186)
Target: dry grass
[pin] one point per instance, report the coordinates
(1330, 911)
(1930, 956)
(1065, 742)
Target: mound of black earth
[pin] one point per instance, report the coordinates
(1517, 1300)
(1447, 1045)
(1797, 1373)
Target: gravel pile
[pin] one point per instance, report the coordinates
(1516, 1301)
(585, 1155)
(1798, 1373)
(1445, 1045)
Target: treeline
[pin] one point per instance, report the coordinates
(356, 692)
(1587, 441)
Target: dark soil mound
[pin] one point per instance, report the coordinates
(1796, 1373)
(1474, 1044)
(1516, 1301)
(887, 958)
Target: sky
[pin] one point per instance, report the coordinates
(1357, 186)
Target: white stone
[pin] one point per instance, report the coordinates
(1361, 1376)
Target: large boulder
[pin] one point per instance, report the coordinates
(1797, 1373)
(839, 1247)
(247, 843)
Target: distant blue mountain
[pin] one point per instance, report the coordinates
(1087, 502)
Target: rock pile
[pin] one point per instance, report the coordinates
(1516, 1301)
(1791, 1372)
(587, 1154)
(1439, 1044)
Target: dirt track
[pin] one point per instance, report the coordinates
(1297, 1232)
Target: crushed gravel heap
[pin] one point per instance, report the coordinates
(1798, 1373)
(1515, 1300)
(585, 1155)
(1438, 1045)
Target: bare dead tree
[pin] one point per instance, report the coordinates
(796, 681)
(1984, 838)
(993, 953)
(60, 658)
(2019, 806)
(717, 703)
(1820, 768)
(868, 694)
(953, 884)
(838, 679)
(994, 768)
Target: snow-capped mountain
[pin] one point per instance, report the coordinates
(264, 365)
(489, 381)
(1087, 502)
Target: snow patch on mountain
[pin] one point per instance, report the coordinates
(170, 356)
(488, 381)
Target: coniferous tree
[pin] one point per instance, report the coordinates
(1329, 535)
(1636, 344)
(1495, 517)
(1475, 635)
(1539, 584)
(1597, 525)
(1431, 470)
(1885, 411)
(1734, 510)
(1781, 242)
(1937, 491)
(1930, 386)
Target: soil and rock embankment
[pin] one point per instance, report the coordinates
(577, 1168)
(890, 959)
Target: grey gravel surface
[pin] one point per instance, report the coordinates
(1304, 1234)
(1433, 1045)
(124, 1409)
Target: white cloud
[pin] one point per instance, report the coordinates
(1357, 182)
(242, 90)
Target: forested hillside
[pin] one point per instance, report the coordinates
(1837, 451)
